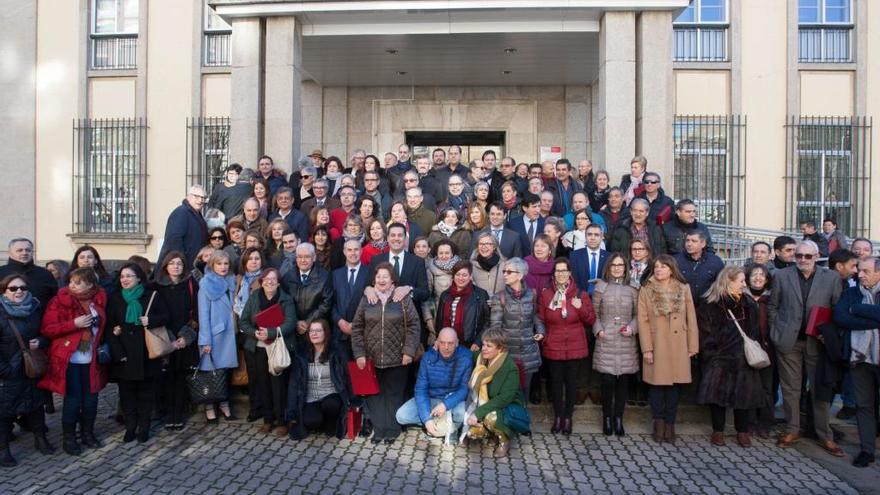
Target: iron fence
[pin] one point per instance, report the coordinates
(710, 165)
(109, 176)
(217, 48)
(699, 44)
(825, 44)
(828, 172)
(207, 141)
(115, 51)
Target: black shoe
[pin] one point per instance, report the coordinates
(376, 439)
(367, 428)
(50, 404)
(129, 436)
(6, 459)
(863, 459)
(230, 417)
(566, 426)
(535, 391)
(846, 412)
(557, 425)
(89, 439)
(143, 436)
(251, 417)
(618, 426)
(41, 443)
(389, 440)
(69, 443)
(607, 429)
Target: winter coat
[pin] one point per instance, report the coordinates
(661, 209)
(518, 319)
(423, 217)
(41, 283)
(616, 354)
(385, 332)
(216, 327)
(621, 237)
(726, 377)
(183, 319)
(503, 390)
(186, 231)
(444, 379)
(312, 298)
(461, 238)
(492, 280)
(540, 274)
(129, 350)
(247, 324)
(476, 315)
(668, 328)
(675, 231)
(18, 393)
(439, 280)
(700, 273)
(298, 389)
(566, 338)
(64, 338)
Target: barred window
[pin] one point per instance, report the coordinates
(216, 40)
(208, 156)
(710, 165)
(700, 32)
(825, 31)
(828, 172)
(114, 33)
(110, 176)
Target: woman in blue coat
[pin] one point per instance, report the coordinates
(216, 328)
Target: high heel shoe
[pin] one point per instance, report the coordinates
(209, 412)
(618, 426)
(566, 426)
(606, 426)
(557, 425)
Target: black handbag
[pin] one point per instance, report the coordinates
(208, 387)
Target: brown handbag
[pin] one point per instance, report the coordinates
(240, 374)
(36, 362)
(157, 340)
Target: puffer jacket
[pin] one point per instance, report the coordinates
(675, 232)
(385, 332)
(492, 280)
(445, 379)
(18, 393)
(518, 319)
(566, 337)
(614, 353)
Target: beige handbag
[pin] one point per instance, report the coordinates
(756, 356)
(157, 340)
(279, 356)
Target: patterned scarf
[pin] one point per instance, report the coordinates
(446, 266)
(20, 310)
(445, 228)
(134, 310)
(380, 245)
(84, 298)
(558, 301)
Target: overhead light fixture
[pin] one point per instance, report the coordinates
(391, 51)
(510, 51)
(507, 72)
(401, 73)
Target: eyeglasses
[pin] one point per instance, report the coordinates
(508, 272)
(804, 256)
(563, 270)
(618, 265)
(199, 196)
(316, 330)
(17, 288)
(651, 182)
(216, 237)
(306, 176)
(639, 249)
(455, 184)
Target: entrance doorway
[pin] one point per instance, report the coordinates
(473, 143)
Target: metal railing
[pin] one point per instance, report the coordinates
(825, 44)
(217, 49)
(114, 51)
(207, 140)
(699, 44)
(109, 176)
(828, 172)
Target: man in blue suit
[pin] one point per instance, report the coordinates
(411, 274)
(530, 223)
(348, 283)
(588, 263)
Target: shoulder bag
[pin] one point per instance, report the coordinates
(36, 362)
(208, 387)
(756, 356)
(278, 355)
(157, 340)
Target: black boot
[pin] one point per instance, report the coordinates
(41, 443)
(69, 443)
(557, 425)
(618, 426)
(89, 439)
(606, 426)
(6, 459)
(535, 390)
(50, 403)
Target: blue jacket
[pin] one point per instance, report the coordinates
(216, 328)
(699, 273)
(185, 231)
(442, 379)
(850, 313)
(297, 222)
(580, 268)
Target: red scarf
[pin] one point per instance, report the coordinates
(509, 205)
(446, 319)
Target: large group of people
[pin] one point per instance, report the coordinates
(465, 289)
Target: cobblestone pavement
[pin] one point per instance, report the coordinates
(233, 458)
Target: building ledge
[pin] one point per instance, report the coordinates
(827, 66)
(701, 65)
(112, 73)
(216, 69)
(107, 238)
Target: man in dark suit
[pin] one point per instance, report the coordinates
(588, 263)
(320, 197)
(530, 223)
(508, 240)
(411, 274)
(348, 283)
(186, 230)
(563, 188)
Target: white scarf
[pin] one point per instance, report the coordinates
(866, 343)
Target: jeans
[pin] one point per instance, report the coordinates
(664, 402)
(80, 404)
(563, 385)
(408, 414)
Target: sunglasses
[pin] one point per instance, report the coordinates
(216, 238)
(651, 181)
(804, 256)
(17, 288)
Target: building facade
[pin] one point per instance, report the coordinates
(760, 111)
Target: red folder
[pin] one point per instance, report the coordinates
(363, 381)
(818, 316)
(271, 317)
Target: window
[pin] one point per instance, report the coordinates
(828, 172)
(216, 40)
(708, 167)
(113, 39)
(110, 176)
(700, 32)
(825, 31)
(208, 156)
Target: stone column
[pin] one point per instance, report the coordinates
(616, 139)
(246, 137)
(283, 108)
(654, 99)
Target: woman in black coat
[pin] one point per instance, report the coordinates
(727, 380)
(19, 311)
(322, 408)
(132, 367)
(179, 293)
(467, 297)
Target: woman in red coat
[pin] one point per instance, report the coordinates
(566, 312)
(74, 323)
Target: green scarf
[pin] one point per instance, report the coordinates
(134, 311)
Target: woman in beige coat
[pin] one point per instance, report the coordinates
(487, 260)
(669, 338)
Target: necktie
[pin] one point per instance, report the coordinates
(531, 230)
(320, 203)
(397, 265)
(497, 234)
(351, 277)
(305, 277)
(592, 266)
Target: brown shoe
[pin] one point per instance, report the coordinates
(717, 438)
(669, 433)
(832, 448)
(659, 428)
(763, 434)
(281, 431)
(265, 428)
(744, 440)
(787, 440)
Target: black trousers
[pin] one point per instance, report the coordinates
(322, 415)
(563, 385)
(256, 408)
(35, 420)
(137, 400)
(866, 380)
(718, 415)
(176, 396)
(764, 416)
(664, 402)
(615, 391)
(382, 407)
(269, 391)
